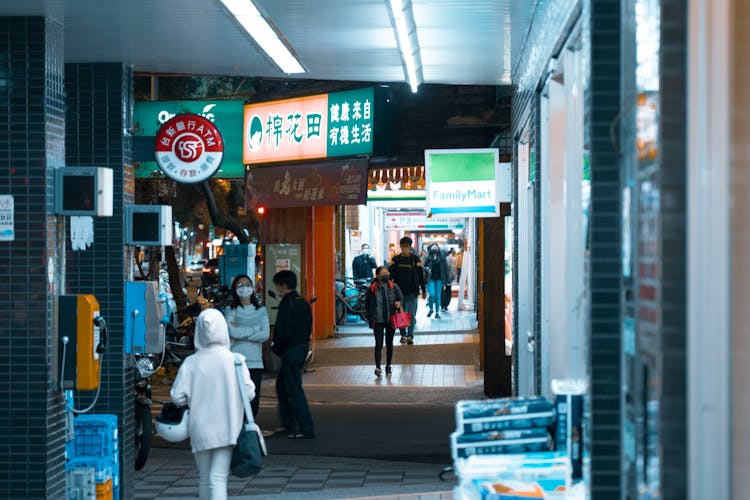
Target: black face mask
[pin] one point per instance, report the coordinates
(385, 279)
(433, 251)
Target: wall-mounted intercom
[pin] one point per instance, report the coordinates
(148, 225)
(84, 191)
(145, 311)
(82, 339)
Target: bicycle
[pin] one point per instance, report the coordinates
(350, 299)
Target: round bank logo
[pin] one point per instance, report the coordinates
(189, 148)
(255, 134)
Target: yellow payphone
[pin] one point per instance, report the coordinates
(82, 336)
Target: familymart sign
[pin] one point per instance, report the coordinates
(466, 182)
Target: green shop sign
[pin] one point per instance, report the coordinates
(149, 116)
(466, 182)
(319, 126)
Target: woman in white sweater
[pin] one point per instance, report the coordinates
(207, 383)
(248, 329)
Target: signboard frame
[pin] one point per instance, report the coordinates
(474, 188)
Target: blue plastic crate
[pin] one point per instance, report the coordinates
(95, 435)
(103, 467)
(70, 454)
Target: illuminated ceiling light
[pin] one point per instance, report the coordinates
(253, 22)
(402, 17)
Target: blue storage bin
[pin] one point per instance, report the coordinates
(103, 467)
(95, 435)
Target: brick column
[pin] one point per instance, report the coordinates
(32, 425)
(602, 108)
(99, 109)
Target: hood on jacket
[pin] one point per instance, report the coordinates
(211, 329)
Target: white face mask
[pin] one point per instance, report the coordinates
(365, 251)
(245, 292)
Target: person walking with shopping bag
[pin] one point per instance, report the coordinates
(383, 300)
(207, 383)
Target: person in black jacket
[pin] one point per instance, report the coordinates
(291, 342)
(439, 275)
(363, 264)
(407, 272)
(383, 299)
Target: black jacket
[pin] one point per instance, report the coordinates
(362, 267)
(293, 323)
(380, 300)
(408, 274)
(438, 260)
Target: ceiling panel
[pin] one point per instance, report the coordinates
(461, 41)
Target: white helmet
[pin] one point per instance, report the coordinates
(172, 423)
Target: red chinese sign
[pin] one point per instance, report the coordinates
(305, 185)
(189, 148)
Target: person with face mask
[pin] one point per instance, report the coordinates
(383, 299)
(439, 274)
(248, 329)
(363, 264)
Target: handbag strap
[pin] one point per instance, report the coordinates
(238, 367)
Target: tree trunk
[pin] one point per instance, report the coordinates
(221, 220)
(174, 279)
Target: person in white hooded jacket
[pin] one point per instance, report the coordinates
(207, 383)
(248, 329)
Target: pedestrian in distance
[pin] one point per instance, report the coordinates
(407, 272)
(438, 270)
(248, 329)
(291, 342)
(383, 299)
(207, 383)
(451, 259)
(363, 264)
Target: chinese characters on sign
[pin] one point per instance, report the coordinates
(350, 122)
(189, 148)
(285, 130)
(337, 124)
(149, 117)
(326, 183)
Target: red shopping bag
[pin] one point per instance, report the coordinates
(401, 320)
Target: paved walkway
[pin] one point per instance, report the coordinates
(172, 474)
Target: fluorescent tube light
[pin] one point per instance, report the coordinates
(253, 22)
(406, 35)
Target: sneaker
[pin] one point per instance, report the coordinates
(437, 315)
(410, 340)
(429, 313)
(388, 370)
(378, 372)
(403, 340)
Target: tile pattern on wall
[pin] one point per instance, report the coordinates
(32, 426)
(99, 96)
(602, 45)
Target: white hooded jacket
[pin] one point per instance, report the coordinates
(207, 383)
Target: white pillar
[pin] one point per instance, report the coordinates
(709, 263)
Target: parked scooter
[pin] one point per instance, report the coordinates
(144, 368)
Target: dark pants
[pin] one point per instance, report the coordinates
(410, 305)
(293, 408)
(383, 330)
(256, 375)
